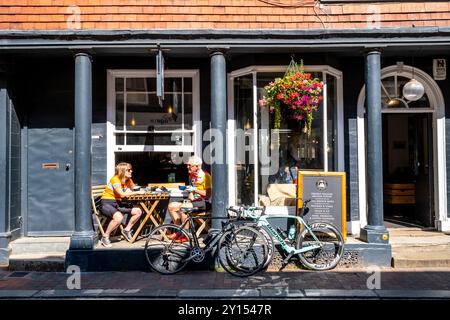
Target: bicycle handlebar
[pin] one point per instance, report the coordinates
(243, 212)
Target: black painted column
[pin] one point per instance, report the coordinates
(219, 126)
(84, 236)
(375, 231)
(5, 233)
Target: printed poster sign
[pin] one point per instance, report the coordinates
(327, 192)
(439, 69)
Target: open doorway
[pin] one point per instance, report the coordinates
(408, 169)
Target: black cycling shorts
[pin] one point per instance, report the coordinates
(202, 205)
(109, 207)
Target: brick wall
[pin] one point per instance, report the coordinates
(215, 14)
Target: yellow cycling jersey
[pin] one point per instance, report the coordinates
(201, 181)
(115, 183)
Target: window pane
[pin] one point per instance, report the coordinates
(392, 94)
(154, 139)
(265, 123)
(187, 85)
(297, 151)
(120, 139)
(172, 85)
(148, 115)
(245, 169)
(119, 84)
(188, 120)
(141, 84)
(119, 111)
(154, 167)
(331, 122)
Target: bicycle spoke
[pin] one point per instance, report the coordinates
(331, 245)
(243, 252)
(165, 255)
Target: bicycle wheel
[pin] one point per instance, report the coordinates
(331, 246)
(270, 246)
(243, 251)
(269, 240)
(164, 254)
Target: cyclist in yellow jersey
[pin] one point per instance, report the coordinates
(120, 186)
(199, 193)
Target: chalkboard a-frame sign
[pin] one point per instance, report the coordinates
(328, 197)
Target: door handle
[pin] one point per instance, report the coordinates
(67, 166)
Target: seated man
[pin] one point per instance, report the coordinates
(199, 193)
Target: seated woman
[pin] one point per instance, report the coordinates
(199, 193)
(120, 186)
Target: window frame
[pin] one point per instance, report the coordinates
(111, 130)
(254, 70)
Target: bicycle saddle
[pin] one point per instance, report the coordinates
(189, 210)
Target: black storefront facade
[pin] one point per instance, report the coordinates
(63, 127)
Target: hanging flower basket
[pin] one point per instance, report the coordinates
(296, 96)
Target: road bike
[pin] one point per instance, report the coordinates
(319, 245)
(241, 249)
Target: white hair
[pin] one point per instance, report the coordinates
(195, 160)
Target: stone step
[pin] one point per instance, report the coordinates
(49, 261)
(419, 263)
(421, 255)
(42, 245)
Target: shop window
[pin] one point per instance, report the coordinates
(156, 138)
(254, 177)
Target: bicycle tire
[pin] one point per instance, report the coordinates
(331, 240)
(242, 251)
(165, 255)
(269, 239)
(270, 246)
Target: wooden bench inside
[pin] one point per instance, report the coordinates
(399, 193)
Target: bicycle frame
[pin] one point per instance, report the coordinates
(262, 222)
(211, 244)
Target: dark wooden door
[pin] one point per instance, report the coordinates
(421, 159)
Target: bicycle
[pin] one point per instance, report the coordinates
(242, 250)
(319, 245)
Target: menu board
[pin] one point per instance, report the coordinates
(328, 197)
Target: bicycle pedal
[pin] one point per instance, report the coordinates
(285, 261)
(283, 265)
